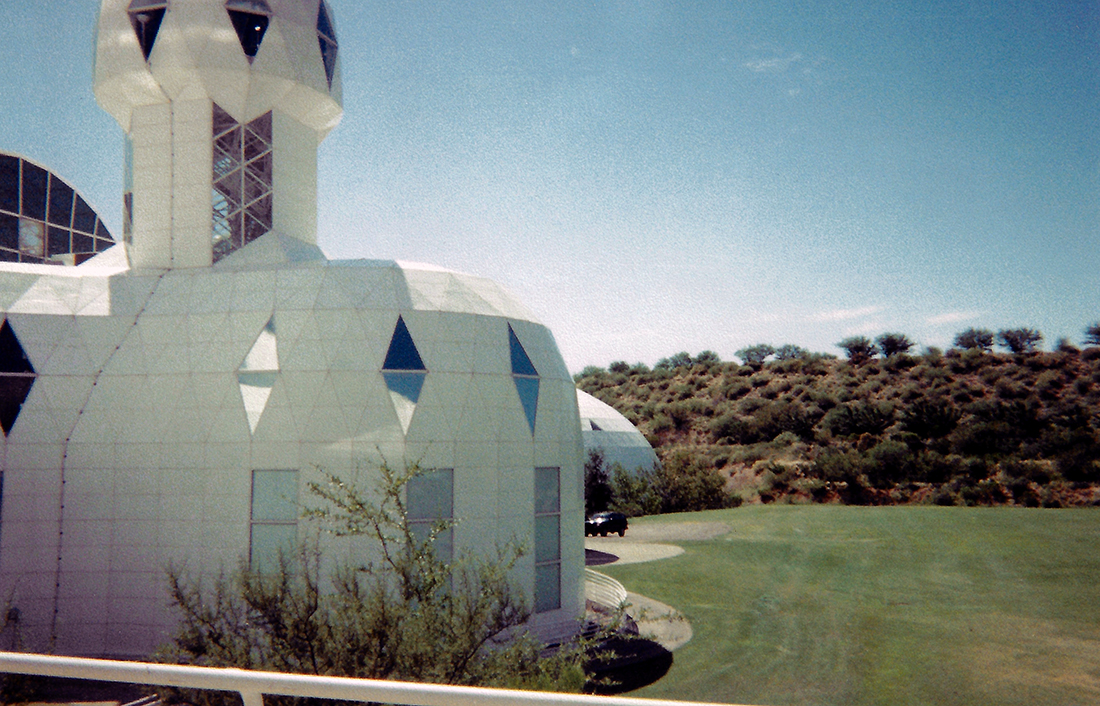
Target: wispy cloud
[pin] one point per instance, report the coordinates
(846, 314)
(952, 317)
(774, 65)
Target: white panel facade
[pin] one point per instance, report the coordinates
(163, 372)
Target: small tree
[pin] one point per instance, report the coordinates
(859, 349)
(708, 357)
(619, 366)
(754, 356)
(411, 615)
(893, 344)
(789, 351)
(1019, 340)
(597, 484)
(1092, 334)
(975, 339)
(679, 360)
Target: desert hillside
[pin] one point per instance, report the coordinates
(965, 426)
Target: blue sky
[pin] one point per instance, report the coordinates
(653, 177)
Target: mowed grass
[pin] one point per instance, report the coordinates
(883, 605)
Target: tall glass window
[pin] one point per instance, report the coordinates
(429, 498)
(274, 528)
(547, 539)
(243, 173)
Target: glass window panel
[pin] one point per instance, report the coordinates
(402, 353)
(268, 541)
(8, 256)
(61, 203)
(547, 587)
(35, 180)
(275, 496)
(9, 183)
(250, 29)
(326, 36)
(13, 359)
(528, 389)
(430, 496)
(101, 244)
(9, 231)
(32, 238)
(547, 490)
(444, 541)
(408, 385)
(101, 230)
(145, 17)
(127, 165)
(222, 120)
(83, 243)
(84, 218)
(253, 228)
(547, 538)
(521, 364)
(57, 241)
(127, 217)
(261, 210)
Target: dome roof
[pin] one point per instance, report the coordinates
(43, 220)
(605, 429)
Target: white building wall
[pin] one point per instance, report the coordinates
(151, 454)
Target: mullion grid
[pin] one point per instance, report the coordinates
(242, 179)
(42, 240)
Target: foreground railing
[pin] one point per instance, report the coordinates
(253, 685)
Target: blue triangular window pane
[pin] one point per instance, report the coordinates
(528, 389)
(402, 354)
(521, 364)
(408, 385)
(12, 357)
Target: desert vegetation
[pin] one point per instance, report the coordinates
(973, 425)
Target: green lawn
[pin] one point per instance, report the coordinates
(886, 605)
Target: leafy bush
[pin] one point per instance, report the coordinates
(930, 417)
(410, 616)
(855, 418)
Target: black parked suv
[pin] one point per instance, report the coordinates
(603, 523)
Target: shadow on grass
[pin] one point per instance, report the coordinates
(638, 662)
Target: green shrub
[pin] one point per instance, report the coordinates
(855, 418)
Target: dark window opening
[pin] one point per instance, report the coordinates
(146, 16)
(326, 36)
(84, 218)
(35, 180)
(250, 27)
(61, 203)
(13, 359)
(9, 183)
(402, 354)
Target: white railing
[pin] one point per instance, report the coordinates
(603, 590)
(253, 685)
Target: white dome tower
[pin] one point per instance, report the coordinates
(223, 103)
